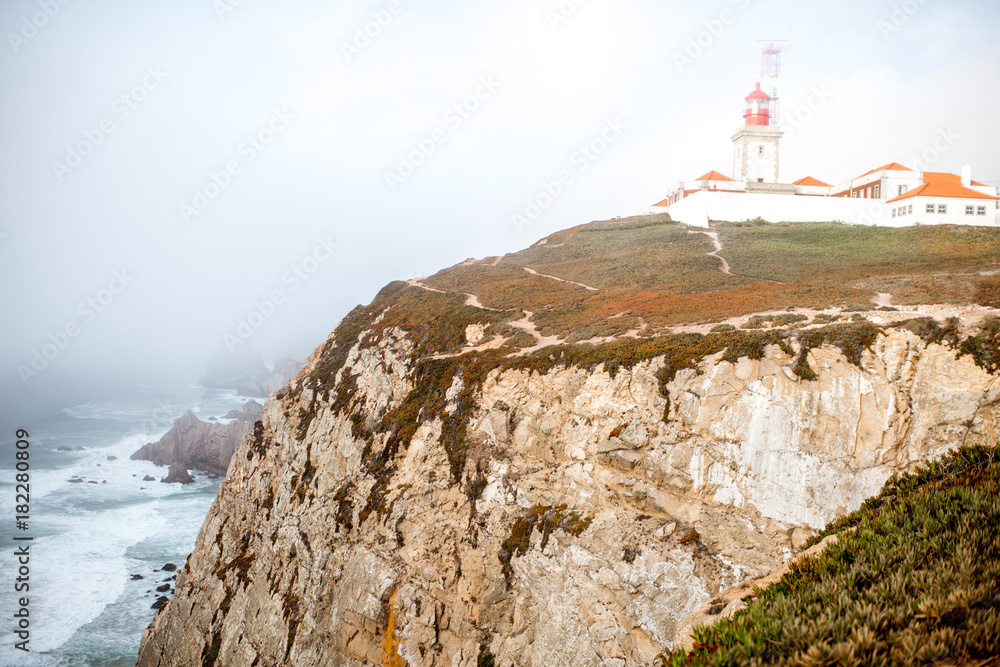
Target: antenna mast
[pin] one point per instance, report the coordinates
(770, 74)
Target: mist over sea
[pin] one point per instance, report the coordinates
(90, 538)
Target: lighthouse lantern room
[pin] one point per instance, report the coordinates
(758, 108)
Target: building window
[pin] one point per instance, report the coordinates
(854, 195)
(902, 189)
(981, 210)
(760, 150)
(942, 208)
(877, 187)
(894, 212)
(909, 209)
(930, 208)
(868, 193)
(970, 210)
(760, 180)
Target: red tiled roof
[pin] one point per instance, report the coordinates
(944, 177)
(942, 189)
(809, 180)
(893, 166)
(664, 203)
(714, 176)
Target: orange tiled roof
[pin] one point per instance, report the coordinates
(894, 166)
(809, 180)
(945, 177)
(942, 189)
(714, 176)
(664, 203)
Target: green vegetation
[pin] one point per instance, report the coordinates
(797, 253)
(664, 275)
(852, 339)
(486, 657)
(983, 347)
(546, 520)
(914, 583)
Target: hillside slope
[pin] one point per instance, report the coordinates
(450, 481)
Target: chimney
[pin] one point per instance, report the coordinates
(967, 175)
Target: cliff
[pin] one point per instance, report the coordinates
(451, 481)
(580, 527)
(208, 446)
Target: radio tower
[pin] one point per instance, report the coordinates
(770, 74)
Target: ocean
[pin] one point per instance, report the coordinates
(89, 539)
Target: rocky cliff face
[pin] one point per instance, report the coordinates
(208, 446)
(566, 514)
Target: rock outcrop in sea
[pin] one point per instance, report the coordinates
(195, 444)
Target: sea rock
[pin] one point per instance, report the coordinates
(111, 457)
(160, 601)
(200, 445)
(177, 474)
(137, 577)
(163, 589)
(169, 567)
(312, 556)
(149, 478)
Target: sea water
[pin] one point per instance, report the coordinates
(90, 537)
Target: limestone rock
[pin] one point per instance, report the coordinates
(582, 529)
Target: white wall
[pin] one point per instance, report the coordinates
(955, 215)
(701, 207)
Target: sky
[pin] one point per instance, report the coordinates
(187, 180)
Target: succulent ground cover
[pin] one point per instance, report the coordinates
(916, 582)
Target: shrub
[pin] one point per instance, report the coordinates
(988, 292)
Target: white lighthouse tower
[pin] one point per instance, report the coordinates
(755, 144)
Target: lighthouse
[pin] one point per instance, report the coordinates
(755, 144)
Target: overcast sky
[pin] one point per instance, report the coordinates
(182, 163)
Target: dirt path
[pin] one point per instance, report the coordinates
(525, 324)
(473, 300)
(725, 268)
(882, 299)
(571, 282)
(718, 248)
(415, 282)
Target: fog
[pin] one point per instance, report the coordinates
(171, 169)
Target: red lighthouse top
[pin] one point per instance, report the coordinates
(758, 108)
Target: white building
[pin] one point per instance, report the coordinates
(892, 195)
(939, 202)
